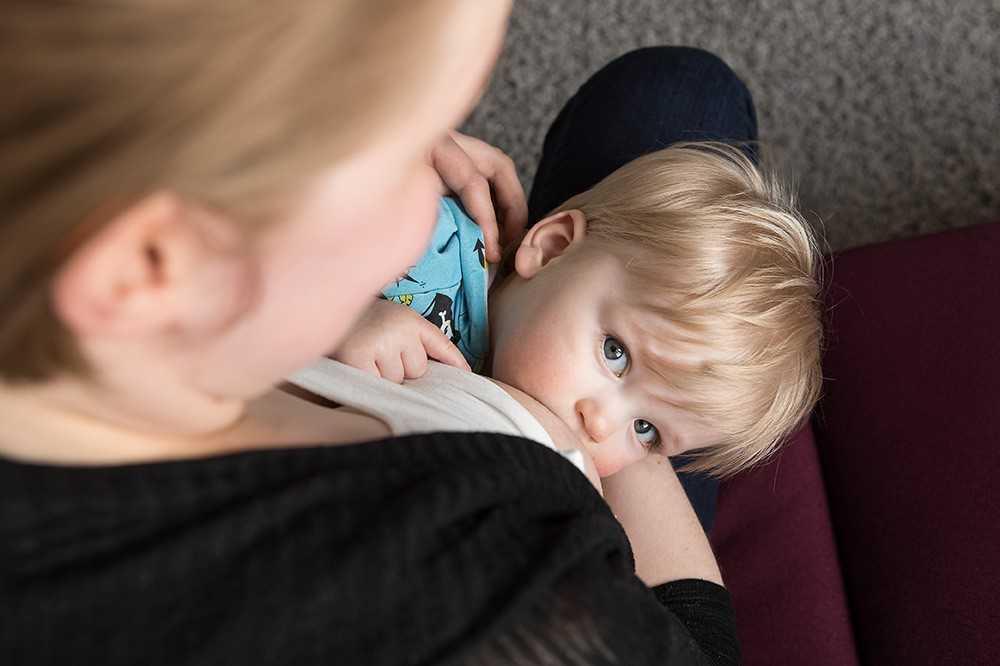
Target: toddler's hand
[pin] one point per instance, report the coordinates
(393, 341)
(478, 174)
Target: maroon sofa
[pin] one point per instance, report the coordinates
(874, 538)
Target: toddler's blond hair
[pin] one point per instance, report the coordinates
(716, 248)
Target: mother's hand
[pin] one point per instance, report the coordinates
(485, 180)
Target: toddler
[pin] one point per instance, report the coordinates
(673, 308)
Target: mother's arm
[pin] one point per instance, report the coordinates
(667, 540)
(561, 435)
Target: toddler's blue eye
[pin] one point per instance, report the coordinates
(615, 356)
(646, 432)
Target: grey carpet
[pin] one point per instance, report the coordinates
(886, 114)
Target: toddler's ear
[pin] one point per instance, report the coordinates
(549, 239)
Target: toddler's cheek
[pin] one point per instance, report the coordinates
(605, 462)
(544, 371)
(612, 456)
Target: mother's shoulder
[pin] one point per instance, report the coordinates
(562, 435)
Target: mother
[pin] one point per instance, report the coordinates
(197, 199)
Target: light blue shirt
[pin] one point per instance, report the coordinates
(448, 286)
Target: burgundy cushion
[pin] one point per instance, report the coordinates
(774, 543)
(909, 440)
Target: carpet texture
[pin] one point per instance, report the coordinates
(886, 115)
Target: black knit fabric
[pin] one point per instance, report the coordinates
(428, 549)
(707, 612)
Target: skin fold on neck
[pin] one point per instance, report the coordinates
(39, 430)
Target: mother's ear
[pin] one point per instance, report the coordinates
(548, 239)
(163, 266)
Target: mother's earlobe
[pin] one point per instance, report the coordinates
(159, 267)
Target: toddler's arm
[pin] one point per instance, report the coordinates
(392, 341)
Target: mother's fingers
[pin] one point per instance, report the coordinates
(500, 170)
(462, 176)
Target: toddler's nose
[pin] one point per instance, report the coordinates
(596, 420)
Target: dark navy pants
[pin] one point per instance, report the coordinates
(643, 101)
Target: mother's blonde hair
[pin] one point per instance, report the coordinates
(228, 102)
(717, 250)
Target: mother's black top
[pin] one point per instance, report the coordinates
(426, 549)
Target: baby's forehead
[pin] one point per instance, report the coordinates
(659, 335)
(635, 303)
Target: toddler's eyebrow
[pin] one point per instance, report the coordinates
(671, 403)
(662, 364)
(664, 424)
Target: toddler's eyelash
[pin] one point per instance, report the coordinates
(628, 356)
(603, 358)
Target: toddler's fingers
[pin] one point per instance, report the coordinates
(391, 368)
(357, 360)
(370, 367)
(440, 348)
(414, 361)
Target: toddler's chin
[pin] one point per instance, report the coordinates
(604, 467)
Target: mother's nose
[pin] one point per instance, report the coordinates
(597, 419)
